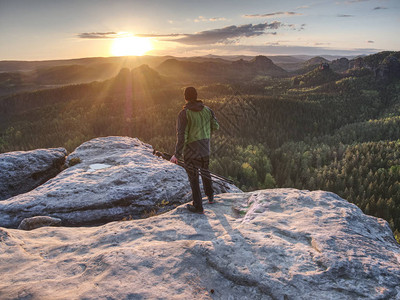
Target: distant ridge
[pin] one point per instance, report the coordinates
(236, 70)
(316, 60)
(122, 61)
(310, 64)
(26, 76)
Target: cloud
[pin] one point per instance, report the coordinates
(216, 19)
(152, 35)
(349, 2)
(272, 44)
(270, 15)
(345, 16)
(295, 27)
(228, 34)
(354, 1)
(370, 42)
(380, 7)
(203, 19)
(98, 35)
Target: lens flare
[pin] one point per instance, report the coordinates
(131, 45)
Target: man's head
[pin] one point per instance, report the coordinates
(190, 94)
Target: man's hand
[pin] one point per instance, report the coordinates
(174, 159)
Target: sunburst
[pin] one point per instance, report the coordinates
(131, 46)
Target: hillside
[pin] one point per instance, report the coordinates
(143, 78)
(309, 65)
(318, 76)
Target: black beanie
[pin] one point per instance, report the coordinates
(190, 94)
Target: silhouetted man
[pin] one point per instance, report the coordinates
(194, 126)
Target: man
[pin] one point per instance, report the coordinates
(195, 124)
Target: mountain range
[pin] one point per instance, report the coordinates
(20, 76)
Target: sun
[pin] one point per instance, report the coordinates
(131, 45)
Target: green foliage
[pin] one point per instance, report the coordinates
(359, 72)
(251, 169)
(214, 90)
(375, 59)
(74, 161)
(269, 181)
(397, 235)
(316, 77)
(372, 130)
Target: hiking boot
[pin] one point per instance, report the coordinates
(211, 199)
(193, 209)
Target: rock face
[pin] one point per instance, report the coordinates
(389, 69)
(22, 171)
(117, 177)
(269, 244)
(37, 222)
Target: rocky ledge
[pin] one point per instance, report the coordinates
(269, 244)
(108, 179)
(22, 171)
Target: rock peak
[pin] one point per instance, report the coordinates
(261, 59)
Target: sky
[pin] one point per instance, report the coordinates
(64, 29)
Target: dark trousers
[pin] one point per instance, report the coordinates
(192, 167)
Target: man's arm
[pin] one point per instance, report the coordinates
(214, 123)
(180, 135)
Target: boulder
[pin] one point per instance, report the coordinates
(37, 222)
(268, 244)
(22, 171)
(109, 179)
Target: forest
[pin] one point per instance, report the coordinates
(327, 127)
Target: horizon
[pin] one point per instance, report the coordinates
(48, 30)
(238, 56)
